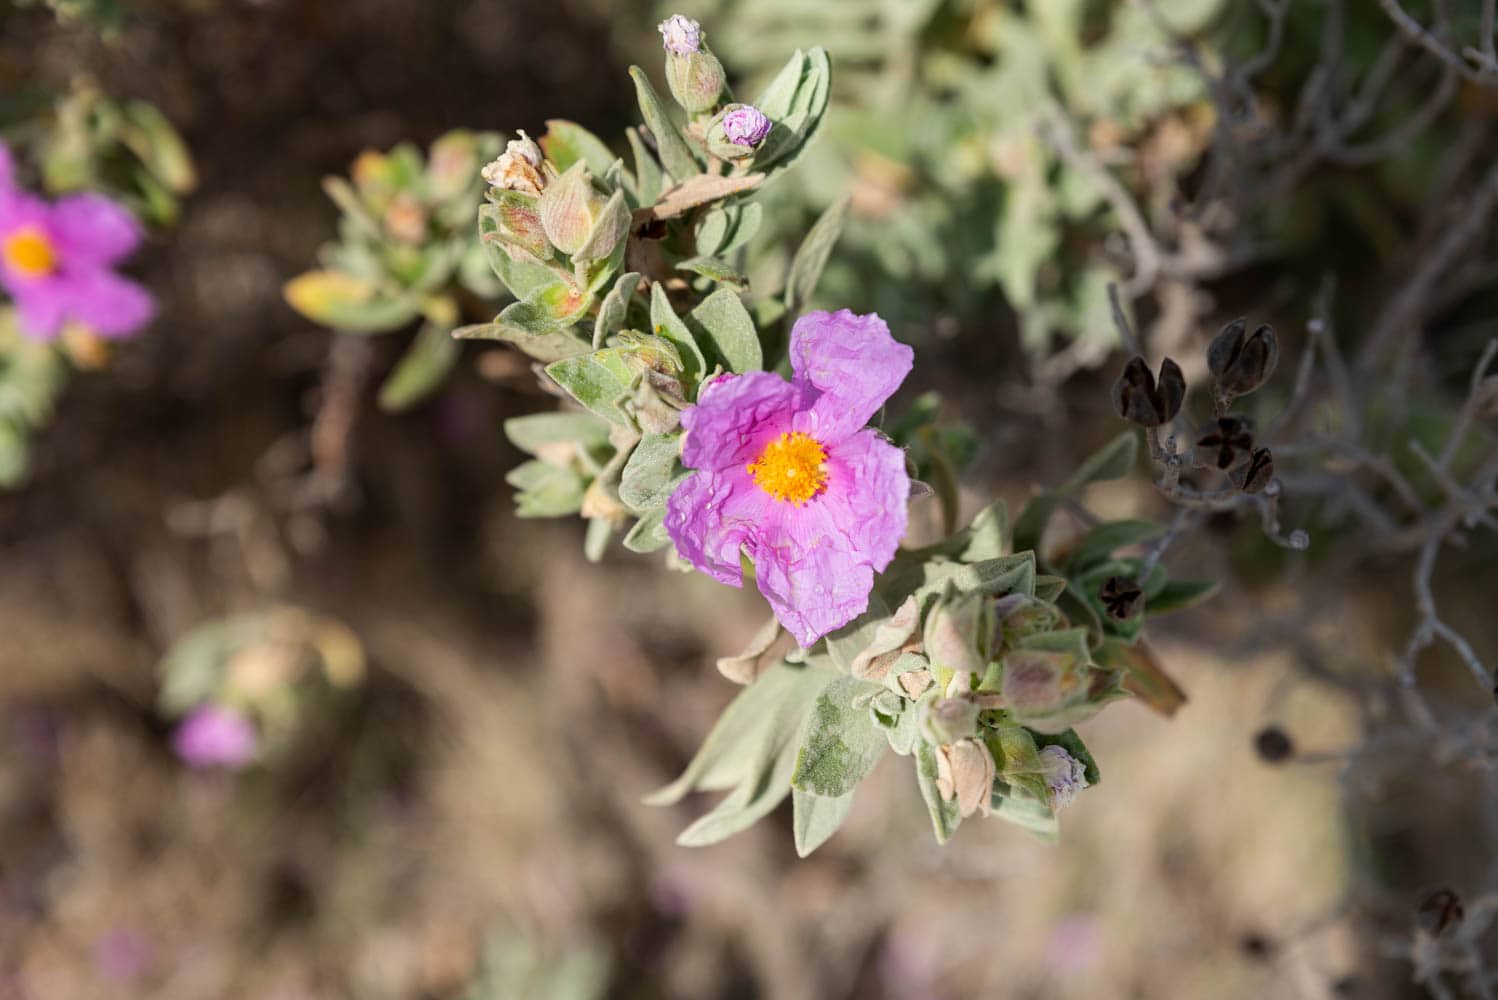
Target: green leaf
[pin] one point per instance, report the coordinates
(714, 268)
(546, 490)
(1103, 540)
(598, 381)
(552, 309)
(944, 815)
(842, 742)
(811, 257)
(653, 472)
(815, 818)
(666, 324)
(751, 750)
(535, 431)
(614, 308)
(421, 369)
(521, 277)
(566, 142)
(344, 302)
(1048, 588)
(729, 329)
(1018, 806)
(596, 539)
(544, 347)
(193, 666)
(649, 181)
(649, 532)
(795, 102)
(674, 152)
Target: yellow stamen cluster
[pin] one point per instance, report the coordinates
(30, 252)
(792, 467)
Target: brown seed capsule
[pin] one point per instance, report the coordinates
(1242, 363)
(1121, 597)
(1273, 745)
(1439, 912)
(1139, 399)
(1229, 439)
(1256, 473)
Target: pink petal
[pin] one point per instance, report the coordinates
(853, 364)
(734, 417)
(711, 515)
(92, 229)
(107, 304)
(866, 477)
(814, 580)
(39, 306)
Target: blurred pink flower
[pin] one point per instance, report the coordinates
(788, 472)
(212, 736)
(1075, 943)
(57, 259)
(122, 954)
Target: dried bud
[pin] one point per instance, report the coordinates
(569, 207)
(958, 632)
(874, 661)
(1243, 363)
(680, 35)
(1140, 400)
(1273, 745)
(914, 683)
(1121, 597)
(965, 773)
(1256, 473)
(947, 720)
(1439, 912)
(1065, 776)
(519, 168)
(738, 131)
(600, 502)
(1229, 440)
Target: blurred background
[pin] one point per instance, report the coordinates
(447, 801)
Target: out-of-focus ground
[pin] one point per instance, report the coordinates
(467, 823)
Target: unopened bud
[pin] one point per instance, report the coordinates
(738, 131)
(1121, 597)
(1065, 776)
(1139, 399)
(965, 773)
(680, 35)
(1039, 683)
(1228, 440)
(958, 633)
(1256, 473)
(695, 75)
(657, 403)
(519, 168)
(1020, 615)
(569, 206)
(947, 720)
(1242, 362)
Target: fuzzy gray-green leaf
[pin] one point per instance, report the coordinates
(842, 742)
(730, 331)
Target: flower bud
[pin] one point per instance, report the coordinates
(874, 661)
(406, 219)
(738, 131)
(680, 35)
(1256, 473)
(1065, 776)
(1020, 615)
(569, 206)
(1039, 683)
(657, 403)
(519, 168)
(1140, 400)
(959, 630)
(947, 720)
(1228, 441)
(1121, 597)
(965, 773)
(1243, 363)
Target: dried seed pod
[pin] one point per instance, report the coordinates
(1439, 912)
(1255, 474)
(1140, 399)
(1273, 745)
(1230, 439)
(1241, 363)
(1121, 597)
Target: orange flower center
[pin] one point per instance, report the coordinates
(792, 467)
(30, 252)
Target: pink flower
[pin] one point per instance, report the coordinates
(788, 473)
(56, 261)
(212, 736)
